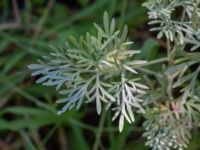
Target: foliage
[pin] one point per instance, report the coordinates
(85, 68)
(28, 118)
(175, 112)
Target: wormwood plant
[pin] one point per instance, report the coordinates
(95, 68)
(102, 68)
(173, 106)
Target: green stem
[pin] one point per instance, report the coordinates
(150, 72)
(100, 130)
(169, 53)
(183, 14)
(164, 59)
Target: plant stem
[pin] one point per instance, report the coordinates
(183, 14)
(164, 59)
(169, 53)
(172, 53)
(100, 129)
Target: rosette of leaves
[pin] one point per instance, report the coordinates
(99, 68)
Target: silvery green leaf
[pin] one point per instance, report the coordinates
(195, 47)
(130, 69)
(127, 43)
(52, 83)
(108, 41)
(106, 22)
(35, 73)
(112, 26)
(130, 52)
(124, 33)
(99, 29)
(160, 35)
(183, 80)
(126, 114)
(35, 66)
(74, 41)
(42, 79)
(141, 85)
(98, 103)
(179, 67)
(107, 63)
(121, 123)
(136, 62)
(116, 115)
(130, 112)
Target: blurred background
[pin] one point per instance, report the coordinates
(28, 119)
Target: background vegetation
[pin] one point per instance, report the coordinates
(28, 117)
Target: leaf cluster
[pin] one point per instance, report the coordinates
(174, 113)
(82, 71)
